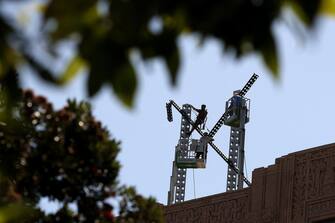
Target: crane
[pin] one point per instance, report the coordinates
(194, 154)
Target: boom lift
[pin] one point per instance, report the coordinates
(193, 154)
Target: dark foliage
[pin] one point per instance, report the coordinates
(108, 30)
(66, 156)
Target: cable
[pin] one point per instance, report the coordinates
(194, 185)
(245, 164)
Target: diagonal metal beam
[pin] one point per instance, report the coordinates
(242, 93)
(216, 149)
(248, 85)
(218, 125)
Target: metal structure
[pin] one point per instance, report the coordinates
(236, 115)
(238, 109)
(193, 154)
(178, 178)
(188, 154)
(242, 93)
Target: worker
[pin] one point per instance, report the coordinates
(201, 117)
(201, 150)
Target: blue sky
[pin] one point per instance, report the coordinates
(291, 114)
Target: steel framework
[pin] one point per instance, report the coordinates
(236, 116)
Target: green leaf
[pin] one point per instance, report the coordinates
(76, 65)
(173, 61)
(136, 208)
(94, 84)
(298, 10)
(70, 16)
(41, 71)
(124, 83)
(328, 7)
(306, 10)
(270, 55)
(13, 212)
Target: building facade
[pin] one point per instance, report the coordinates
(298, 188)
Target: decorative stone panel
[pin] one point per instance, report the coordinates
(298, 188)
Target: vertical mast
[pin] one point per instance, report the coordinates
(237, 109)
(236, 155)
(176, 193)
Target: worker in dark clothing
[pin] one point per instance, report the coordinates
(201, 117)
